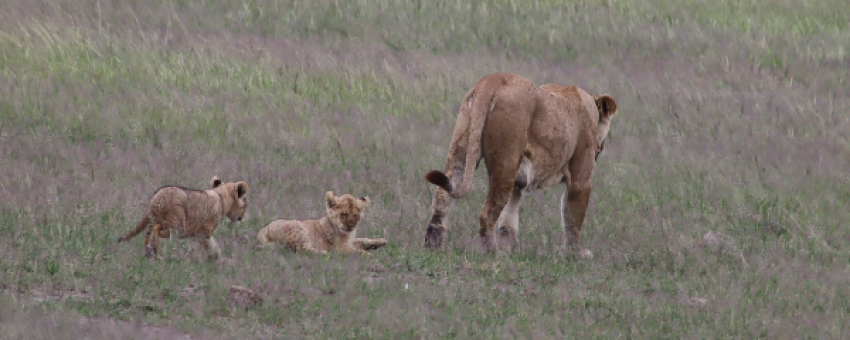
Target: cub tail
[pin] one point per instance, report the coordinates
(143, 224)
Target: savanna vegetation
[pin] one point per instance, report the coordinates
(719, 207)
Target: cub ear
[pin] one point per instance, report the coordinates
(330, 199)
(215, 182)
(241, 189)
(364, 201)
(607, 106)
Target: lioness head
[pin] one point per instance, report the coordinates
(344, 211)
(607, 109)
(233, 193)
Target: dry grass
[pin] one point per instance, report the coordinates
(717, 207)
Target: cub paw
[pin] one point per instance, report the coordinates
(375, 244)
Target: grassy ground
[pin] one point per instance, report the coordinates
(718, 209)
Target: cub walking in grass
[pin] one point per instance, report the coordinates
(182, 213)
(336, 231)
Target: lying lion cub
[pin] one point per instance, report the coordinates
(182, 213)
(334, 232)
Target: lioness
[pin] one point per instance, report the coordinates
(334, 232)
(530, 138)
(181, 212)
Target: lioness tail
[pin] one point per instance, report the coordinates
(439, 179)
(475, 108)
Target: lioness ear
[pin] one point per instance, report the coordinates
(365, 201)
(330, 199)
(241, 189)
(607, 106)
(215, 182)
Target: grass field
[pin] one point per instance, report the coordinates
(719, 209)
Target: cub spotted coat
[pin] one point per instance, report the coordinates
(180, 212)
(336, 231)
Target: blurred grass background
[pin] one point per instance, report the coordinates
(718, 210)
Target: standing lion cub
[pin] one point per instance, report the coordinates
(336, 231)
(180, 212)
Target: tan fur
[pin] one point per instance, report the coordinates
(530, 138)
(334, 232)
(180, 212)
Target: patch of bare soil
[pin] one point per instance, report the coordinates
(20, 321)
(243, 297)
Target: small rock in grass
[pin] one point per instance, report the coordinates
(695, 301)
(715, 239)
(225, 262)
(243, 297)
(377, 268)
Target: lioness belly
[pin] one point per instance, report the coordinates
(531, 177)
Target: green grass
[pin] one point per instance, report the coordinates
(718, 205)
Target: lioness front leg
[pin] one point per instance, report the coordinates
(369, 243)
(573, 208)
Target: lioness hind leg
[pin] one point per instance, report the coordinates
(369, 243)
(436, 225)
(497, 198)
(451, 179)
(501, 184)
(509, 220)
(503, 141)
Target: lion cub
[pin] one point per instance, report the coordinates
(180, 212)
(334, 232)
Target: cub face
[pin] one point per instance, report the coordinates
(236, 193)
(344, 211)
